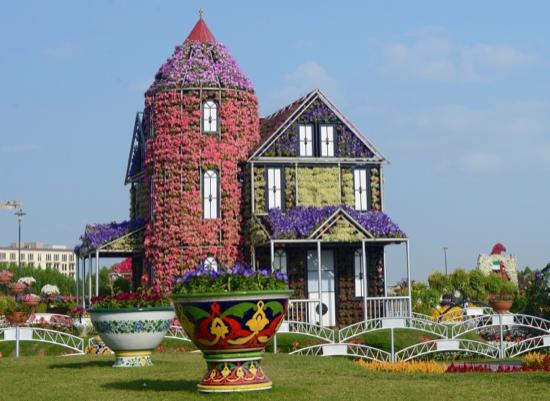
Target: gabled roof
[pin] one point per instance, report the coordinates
(136, 158)
(274, 125)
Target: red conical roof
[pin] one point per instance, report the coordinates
(201, 33)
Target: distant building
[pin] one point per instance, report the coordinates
(38, 254)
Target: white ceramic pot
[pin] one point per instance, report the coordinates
(132, 333)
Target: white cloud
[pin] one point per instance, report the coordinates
(432, 56)
(488, 140)
(305, 78)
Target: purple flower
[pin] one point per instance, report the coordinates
(96, 235)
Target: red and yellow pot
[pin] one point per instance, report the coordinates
(232, 330)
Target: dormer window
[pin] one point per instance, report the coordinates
(327, 140)
(209, 117)
(360, 188)
(306, 140)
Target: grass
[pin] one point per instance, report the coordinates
(175, 375)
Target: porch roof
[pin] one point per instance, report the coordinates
(330, 224)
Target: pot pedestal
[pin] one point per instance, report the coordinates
(132, 359)
(234, 372)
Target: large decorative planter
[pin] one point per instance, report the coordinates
(83, 325)
(132, 333)
(17, 288)
(17, 318)
(232, 330)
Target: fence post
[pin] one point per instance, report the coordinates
(17, 340)
(501, 343)
(392, 345)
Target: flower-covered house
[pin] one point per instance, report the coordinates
(300, 190)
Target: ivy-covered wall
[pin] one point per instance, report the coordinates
(318, 186)
(347, 187)
(138, 200)
(259, 190)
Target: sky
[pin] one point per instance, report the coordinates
(455, 94)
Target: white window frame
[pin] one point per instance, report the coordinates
(274, 188)
(326, 136)
(280, 261)
(305, 139)
(211, 263)
(210, 120)
(358, 269)
(210, 194)
(360, 189)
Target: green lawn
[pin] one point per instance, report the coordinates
(175, 375)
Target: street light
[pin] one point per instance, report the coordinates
(19, 215)
(445, 252)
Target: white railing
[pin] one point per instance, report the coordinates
(303, 310)
(387, 307)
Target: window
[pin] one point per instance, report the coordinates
(274, 188)
(48, 265)
(327, 140)
(360, 188)
(48, 257)
(2, 256)
(210, 194)
(31, 256)
(211, 263)
(306, 140)
(39, 257)
(30, 264)
(12, 256)
(71, 257)
(279, 262)
(56, 257)
(209, 116)
(22, 256)
(64, 258)
(358, 264)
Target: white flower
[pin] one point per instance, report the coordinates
(49, 289)
(28, 281)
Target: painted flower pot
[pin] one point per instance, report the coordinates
(83, 325)
(17, 288)
(132, 333)
(17, 318)
(5, 276)
(232, 330)
(501, 305)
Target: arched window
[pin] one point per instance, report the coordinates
(279, 261)
(210, 198)
(211, 263)
(209, 116)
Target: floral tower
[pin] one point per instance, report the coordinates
(200, 124)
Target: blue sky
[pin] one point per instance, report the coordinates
(456, 96)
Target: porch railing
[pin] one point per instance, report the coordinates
(303, 310)
(384, 307)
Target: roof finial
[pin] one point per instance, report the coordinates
(201, 13)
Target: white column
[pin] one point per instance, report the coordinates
(319, 292)
(385, 275)
(77, 277)
(90, 280)
(96, 273)
(83, 280)
(272, 250)
(364, 265)
(409, 276)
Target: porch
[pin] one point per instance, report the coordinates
(337, 283)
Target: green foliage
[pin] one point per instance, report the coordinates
(496, 286)
(139, 299)
(424, 298)
(475, 291)
(439, 282)
(65, 284)
(318, 186)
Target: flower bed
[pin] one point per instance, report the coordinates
(404, 366)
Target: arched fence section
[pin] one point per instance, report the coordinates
(449, 336)
(38, 334)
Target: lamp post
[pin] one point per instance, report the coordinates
(445, 253)
(19, 215)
